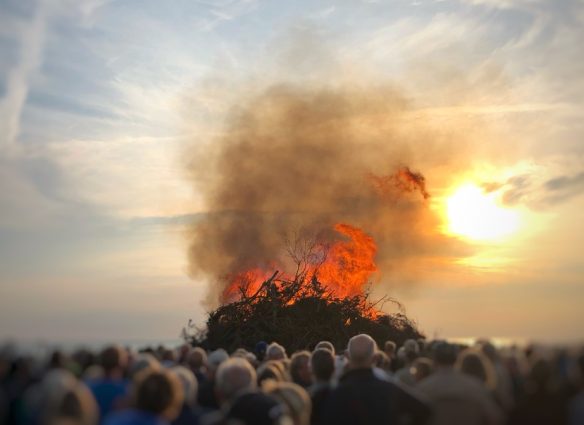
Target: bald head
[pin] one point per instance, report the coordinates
(361, 350)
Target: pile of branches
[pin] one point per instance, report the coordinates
(298, 314)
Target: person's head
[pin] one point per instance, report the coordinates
(444, 354)
(381, 360)
(421, 368)
(74, 405)
(252, 359)
(113, 360)
(361, 349)
(260, 350)
(234, 377)
(239, 352)
(325, 345)
(540, 374)
(256, 408)
(322, 363)
(189, 383)
(62, 398)
(158, 392)
(474, 363)
(58, 360)
(275, 352)
(390, 348)
(197, 359)
(143, 362)
(168, 357)
(489, 350)
(300, 368)
(580, 363)
(411, 350)
(268, 371)
(281, 367)
(183, 353)
(422, 345)
(214, 360)
(293, 397)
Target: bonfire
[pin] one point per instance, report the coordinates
(325, 299)
(298, 315)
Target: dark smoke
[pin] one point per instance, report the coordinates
(298, 160)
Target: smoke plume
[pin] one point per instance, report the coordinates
(296, 160)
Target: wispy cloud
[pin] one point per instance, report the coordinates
(542, 187)
(32, 39)
(220, 11)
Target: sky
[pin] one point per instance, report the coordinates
(101, 102)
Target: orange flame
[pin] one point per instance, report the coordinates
(345, 269)
(246, 282)
(349, 264)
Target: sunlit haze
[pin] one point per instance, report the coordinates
(154, 152)
(474, 214)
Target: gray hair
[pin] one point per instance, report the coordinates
(143, 362)
(235, 376)
(215, 358)
(361, 350)
(275, 352)
(189, 383)
(197, 358)
(327, 345)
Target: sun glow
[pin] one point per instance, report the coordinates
(476, 215)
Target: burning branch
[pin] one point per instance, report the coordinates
(281, 308)
(404, 180)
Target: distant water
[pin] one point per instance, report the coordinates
(38, 348)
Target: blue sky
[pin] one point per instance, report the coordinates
(100, 101)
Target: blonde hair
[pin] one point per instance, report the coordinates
(293, 397)
(474, 363)
(67, 400)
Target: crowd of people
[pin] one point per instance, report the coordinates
(420, 382)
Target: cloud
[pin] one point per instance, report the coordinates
(501, 4)
(18, 81)
(221, 11)
(541, 188)
(562, 188)
(565, 182)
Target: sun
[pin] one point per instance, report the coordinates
(477, 215)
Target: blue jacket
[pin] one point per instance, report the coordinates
(134, 417)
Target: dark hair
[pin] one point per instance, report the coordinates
(156, 391)
(580, 362)
(323, 364)
(445, 354)
(71, 406)
(111, 358)
(58, 360)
